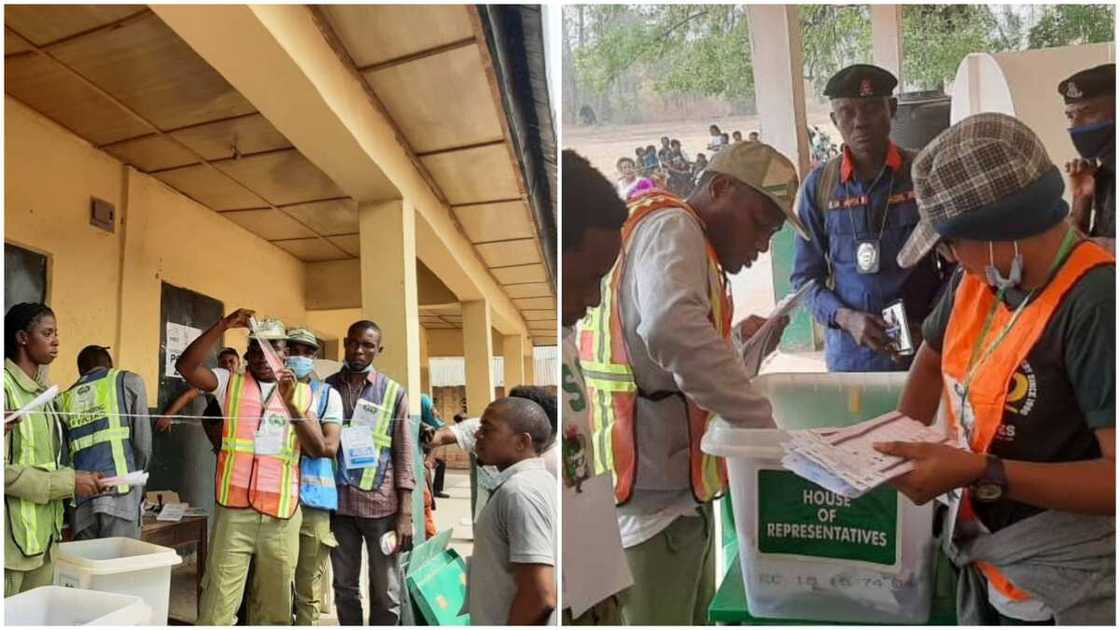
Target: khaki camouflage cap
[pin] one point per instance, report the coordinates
(304, 336)
(764, 169)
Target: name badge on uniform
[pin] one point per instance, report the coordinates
(357, 447)
(270, 434)
(867, 256)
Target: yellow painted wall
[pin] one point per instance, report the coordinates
(164, 236)
(49, 177)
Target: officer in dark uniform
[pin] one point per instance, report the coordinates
(859, 209)
(1090, 99)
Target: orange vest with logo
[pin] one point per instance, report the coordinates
(267, 483)
(988, 392)
(611, 388)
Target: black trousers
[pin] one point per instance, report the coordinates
(437, 483)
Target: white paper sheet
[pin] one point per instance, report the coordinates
(177, 339)
(357, 447)
(173, 512)
(594, 563)
(753, 350)
(135, 478)
(37, 402)
(843, 460)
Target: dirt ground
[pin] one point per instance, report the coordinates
(753, 288)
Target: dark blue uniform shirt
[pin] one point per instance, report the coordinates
(855, 212)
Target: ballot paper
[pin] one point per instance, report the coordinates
(39, 401)
(135, 478)
(270, 355)
(173, 512)
(843, 460)
(753, 350)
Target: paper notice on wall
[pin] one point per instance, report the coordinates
(178, 338)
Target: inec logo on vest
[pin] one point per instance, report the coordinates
(85, 406)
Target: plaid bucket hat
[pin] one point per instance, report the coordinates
(764, 169)
(986, 178)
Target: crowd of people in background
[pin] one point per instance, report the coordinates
(668, 168)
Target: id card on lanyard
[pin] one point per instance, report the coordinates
(273, 429)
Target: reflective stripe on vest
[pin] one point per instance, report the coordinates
(267, 483)
(93, 419)
(316, 484)
(611, 387)
(382, 438)
(33, 526)
(987, 394)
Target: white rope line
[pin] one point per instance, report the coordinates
(157, 416)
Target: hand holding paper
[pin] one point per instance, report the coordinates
(754, 348)
(846, 461)
(135, 478)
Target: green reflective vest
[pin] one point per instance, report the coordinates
(98, 440)
(33, 442)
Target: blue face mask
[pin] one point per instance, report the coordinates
(1014, 276)
(1093, 141)
(302, 366)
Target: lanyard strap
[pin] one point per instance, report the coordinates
(975, 361)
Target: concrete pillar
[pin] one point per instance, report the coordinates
(530, 370)
(886, 38)
(513, 351)
(387, 235)
(425, 364)
(780, 98)
(477, 355)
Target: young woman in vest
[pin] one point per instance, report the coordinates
(1020, 354)
(265, 430)
(34, 483)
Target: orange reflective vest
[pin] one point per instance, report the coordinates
(987, 394)
(611, 388)
(267, 483)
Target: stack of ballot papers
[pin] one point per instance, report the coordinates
(753, 350)
(842, 459)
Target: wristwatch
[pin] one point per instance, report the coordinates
(992, 485)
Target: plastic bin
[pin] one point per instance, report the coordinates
(807, 553)
(59, 606)
(119, 565)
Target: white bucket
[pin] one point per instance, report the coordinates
(119, 565)
(59, 606)
(810, 554)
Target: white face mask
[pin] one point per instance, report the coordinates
(995, 279)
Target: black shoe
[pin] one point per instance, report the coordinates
(442, 495)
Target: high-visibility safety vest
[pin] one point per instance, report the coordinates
(267, 483)
(611, 388)
(316, 478)
(97, 438)
(987, 393)
(383, 392)
(35, 441)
